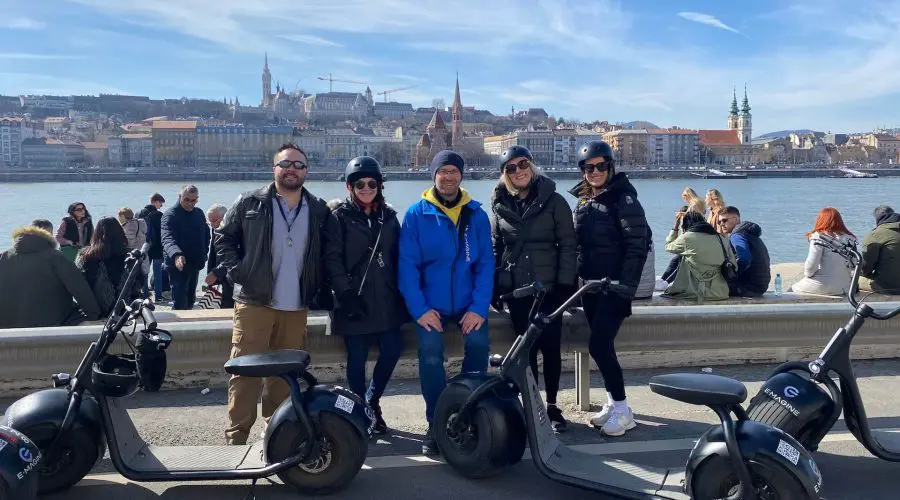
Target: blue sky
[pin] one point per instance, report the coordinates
(824, 64)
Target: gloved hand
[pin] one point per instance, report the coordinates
(351, 305)
(498, 304)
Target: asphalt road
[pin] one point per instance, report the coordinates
(663, 438)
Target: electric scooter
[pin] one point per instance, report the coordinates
(316, 441)
(802, 399)
(481, 427)
(19, 458)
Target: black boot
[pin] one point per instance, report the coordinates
(380, 425)
(557, 422)
(429, 445)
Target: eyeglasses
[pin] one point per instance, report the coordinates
(79, 209)
(298, 165)
(363, 184)
(512, 167)
(599, 167)
(190, 200)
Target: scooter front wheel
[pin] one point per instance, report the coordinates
(477, 448)
(74, 458)
(338, 455)
(715, 479)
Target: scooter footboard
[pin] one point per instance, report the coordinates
(759, 440)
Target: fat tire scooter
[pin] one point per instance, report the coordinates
(802, 399)
(482, 427)
(316, 441)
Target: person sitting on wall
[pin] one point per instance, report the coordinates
(754, 272)
(881, 254)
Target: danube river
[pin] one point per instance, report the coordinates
(784, 208)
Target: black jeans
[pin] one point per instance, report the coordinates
(390, 347)
(184, 287)
(549, 343)
(605, 315)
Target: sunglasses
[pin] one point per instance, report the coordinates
(298, 165)
(512, 167)
(363, 184)
(190, 200)
(723, 221)
(599, 167)
(79, 209)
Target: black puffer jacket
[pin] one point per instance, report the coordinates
(348, 238)
(548, 254)
(612, 232)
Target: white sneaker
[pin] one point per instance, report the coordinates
(619, 421)
(599, 419)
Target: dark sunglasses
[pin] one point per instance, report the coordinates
(512, 167)
(80, 209)
(600, 167)
(190, 200)
(298, 165)
(723, 221)
(363, 184)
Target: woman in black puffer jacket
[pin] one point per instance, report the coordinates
(613, 241)
(361, 253)
(526, 204)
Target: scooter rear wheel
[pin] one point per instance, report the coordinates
(480, 448)
(715, 479)
(27, 489)
(338, 455)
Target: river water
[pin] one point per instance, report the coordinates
(784, 208)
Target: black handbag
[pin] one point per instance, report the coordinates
(729, 271)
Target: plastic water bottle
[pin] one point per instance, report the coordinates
(778, 285)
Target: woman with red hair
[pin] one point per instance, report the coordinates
(825, 272)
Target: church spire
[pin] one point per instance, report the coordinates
(745, 105)
(734, 106)
(456, 130)
(266, 65)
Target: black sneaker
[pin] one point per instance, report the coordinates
(429, 445)
(380, 425)
(557, 422)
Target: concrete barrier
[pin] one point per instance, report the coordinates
(673, 336)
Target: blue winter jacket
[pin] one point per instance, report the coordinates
(437, 270)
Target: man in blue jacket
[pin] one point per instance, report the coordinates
(185, 241)
(446, 274)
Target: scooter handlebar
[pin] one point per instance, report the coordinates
(525, 291)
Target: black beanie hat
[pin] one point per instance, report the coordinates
(446, 157)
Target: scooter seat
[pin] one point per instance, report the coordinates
(269, 364)
(699, 389)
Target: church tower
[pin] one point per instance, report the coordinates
(456, 126)
(266, 85)
(745, 120)
(733, 115)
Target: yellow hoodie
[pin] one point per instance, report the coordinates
(454, 212)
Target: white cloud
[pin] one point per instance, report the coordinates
(311, 40)
(707, 19)
(23, 23)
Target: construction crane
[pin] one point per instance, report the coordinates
(331, 81)
(386, 92)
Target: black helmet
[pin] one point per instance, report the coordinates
(363, 166)
(596, 149)
(515, 152)
(116, 375)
